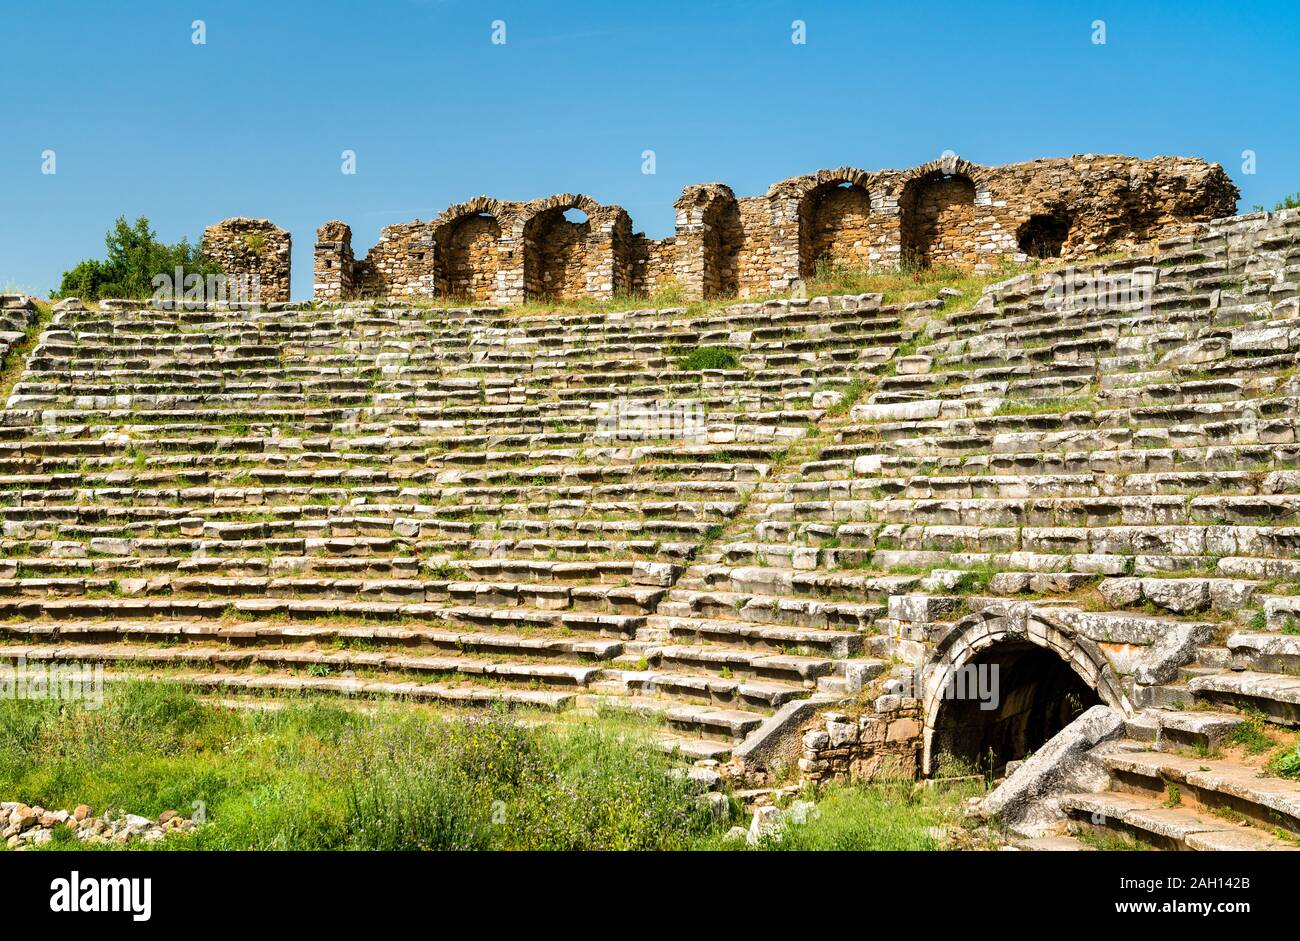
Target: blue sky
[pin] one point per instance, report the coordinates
(142, 121)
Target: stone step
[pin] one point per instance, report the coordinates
(262, 608)
(757, 636)
(219, 659)
(253, 633)
(766, 609)
(1170, 729)
(755, 664)
(470, 695)
(725, 726)
(1210, 783)
(1276, 695)
(1150, 821)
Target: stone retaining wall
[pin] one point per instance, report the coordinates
(882, 743)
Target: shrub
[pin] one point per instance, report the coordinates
(134, 257)
(709, 357)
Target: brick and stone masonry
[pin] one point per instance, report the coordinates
(253, 248)
(949, 212)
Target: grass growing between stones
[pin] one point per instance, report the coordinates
(15, 358)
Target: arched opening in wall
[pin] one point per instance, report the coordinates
(555, 254)
(1006, 703)
(1044, 235)
(723, 239)
(833, 229)
(937, 220)
(470, 256)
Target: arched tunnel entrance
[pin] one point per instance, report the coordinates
(1005, 704)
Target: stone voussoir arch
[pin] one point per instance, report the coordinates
(478, 206)
(789, 202)
(979, 175)
(444, 226)
(604, 250)
(696, 201)
(596, 212)
(800, 186)
(1021, 623)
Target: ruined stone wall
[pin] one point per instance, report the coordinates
(836, 227)
(949, 212)
(883, 742)
(334, 262)
(400, 265)
(652, 264)
(469, 259)
(252, 248)
(754, 265)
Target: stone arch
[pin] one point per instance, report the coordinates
(1040, 663)
(565, 259)
(937, 212)
(823, 216)
(833, 225)
(467, 241)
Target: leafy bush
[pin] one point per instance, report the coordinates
(1286, 764)
(709, 357)
(134, 257)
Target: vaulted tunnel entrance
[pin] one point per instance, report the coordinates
(1004, 704)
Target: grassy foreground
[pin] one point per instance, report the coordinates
(315, 776)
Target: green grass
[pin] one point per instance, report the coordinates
(1285, 763)
(1044, 406)
(1250, 734)
(315, 776)
(885, 815)
(905, 286)
(709, 357)
(318, 776)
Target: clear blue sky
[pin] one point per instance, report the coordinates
(253, 123)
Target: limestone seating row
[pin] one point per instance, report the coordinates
(361, 541)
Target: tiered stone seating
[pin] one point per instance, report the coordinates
(457, 506)
(470, 507)
(1117, 446)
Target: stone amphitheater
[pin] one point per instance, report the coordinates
(1086, 488)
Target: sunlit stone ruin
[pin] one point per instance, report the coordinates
(1052, 537)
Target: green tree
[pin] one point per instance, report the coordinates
(134, 257)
